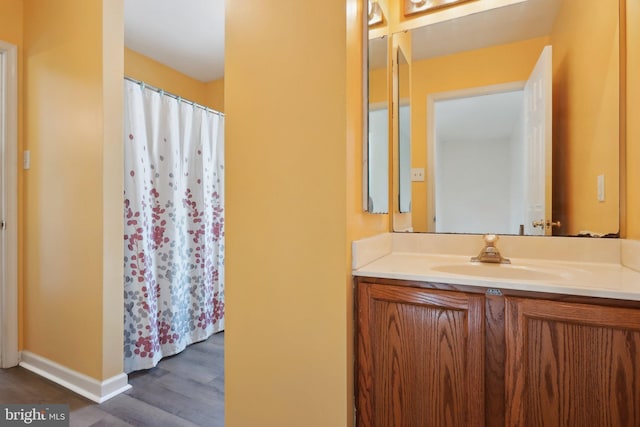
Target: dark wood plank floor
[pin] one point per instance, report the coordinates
(183, 390)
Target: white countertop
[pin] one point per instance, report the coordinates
(386, 257)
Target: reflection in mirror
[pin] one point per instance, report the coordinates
(404, 133)
(378, 138)
(478, 138)
(469, 186)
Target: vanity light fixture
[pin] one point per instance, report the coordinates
(415, 6)
(375, 15)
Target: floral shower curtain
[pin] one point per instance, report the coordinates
(174, 225)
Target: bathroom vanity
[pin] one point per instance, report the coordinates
(552, 339)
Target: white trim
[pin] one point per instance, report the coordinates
(9, 263)
(75, 381)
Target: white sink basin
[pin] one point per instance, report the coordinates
(498, 271)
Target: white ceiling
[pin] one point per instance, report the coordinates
(479, 118)
(186, 35)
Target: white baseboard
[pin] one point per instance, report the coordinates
(79, 383)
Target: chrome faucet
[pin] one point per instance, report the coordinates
(490, 253)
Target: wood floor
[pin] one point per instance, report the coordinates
(183, 390)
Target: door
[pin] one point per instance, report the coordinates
(2, 197)
(8, 205)
(570, 364)
(537, 128)
(420, 357)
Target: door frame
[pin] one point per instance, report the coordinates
(432, 98)
(9, 355)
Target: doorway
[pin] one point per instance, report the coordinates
(478, 163)
(8, 205)
(489, 156)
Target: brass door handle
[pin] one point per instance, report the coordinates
(541, 223)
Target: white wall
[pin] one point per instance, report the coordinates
(473, 186)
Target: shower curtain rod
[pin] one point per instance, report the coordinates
(179, 98)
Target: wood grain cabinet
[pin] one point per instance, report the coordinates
(441, 355)
(571, 364)
(420, 357)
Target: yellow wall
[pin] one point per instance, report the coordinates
(294, 143)
(11, 31)
(73, 109)
(11, 21)
(633, 124)
(378, 86)
(483, 67)
(214, 94)
(140, 67)
(586, 121)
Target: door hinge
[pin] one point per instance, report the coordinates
(3, 224)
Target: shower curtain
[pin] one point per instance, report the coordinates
(174, 225)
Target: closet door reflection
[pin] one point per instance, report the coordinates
(377, 146)
(378, 160)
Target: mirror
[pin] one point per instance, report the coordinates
(482, 151)
(378, 128)
(376, 110)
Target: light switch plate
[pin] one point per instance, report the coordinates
(26, 160)
(417, 174)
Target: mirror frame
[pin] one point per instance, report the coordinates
(378, 29)
(622, 119)
(365, 106)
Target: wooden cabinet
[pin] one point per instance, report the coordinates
(441, 355)
(420, 357)
(571, 364)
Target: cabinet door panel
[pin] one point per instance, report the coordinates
(571, 364)
(420, 357)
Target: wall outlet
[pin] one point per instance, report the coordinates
(417, 174)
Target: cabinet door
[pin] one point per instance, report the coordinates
(420, 357)
(571, 364)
